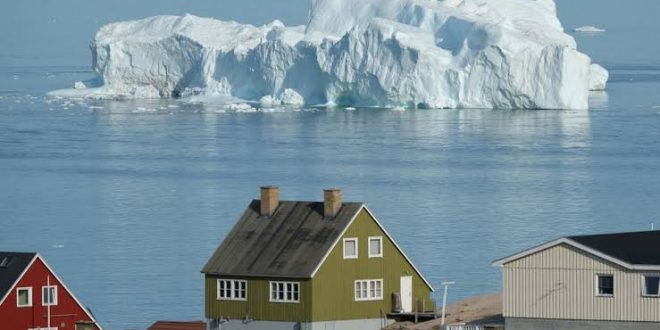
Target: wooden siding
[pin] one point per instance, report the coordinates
(561, 283)
(258, 305)
(333, 285)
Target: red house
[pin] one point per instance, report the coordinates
(33, 297)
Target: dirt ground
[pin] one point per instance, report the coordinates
(468, 310)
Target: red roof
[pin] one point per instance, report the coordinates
(178, 325)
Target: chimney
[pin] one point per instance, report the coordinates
(270, 198)
(331, 202)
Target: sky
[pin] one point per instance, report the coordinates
(58, 32)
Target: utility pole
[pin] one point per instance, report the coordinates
(444, 301)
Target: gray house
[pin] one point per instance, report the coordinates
(609, 281)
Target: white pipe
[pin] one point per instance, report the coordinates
(444, 301)
(49, 298)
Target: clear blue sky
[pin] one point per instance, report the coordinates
(58, 32)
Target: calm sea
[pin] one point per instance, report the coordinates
(127, 200)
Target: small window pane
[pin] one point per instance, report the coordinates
(651, 284)
(350, 248)
(379, 289)
(606, 284)
(374, 247)
(23, 297)
(273, 291)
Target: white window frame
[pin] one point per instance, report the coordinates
(598, 294)
(380, 242)
(285, 292)
(29, 290)
(351, 239)
(365, 288)
(644, 294)
(43, 296)
(229, 284)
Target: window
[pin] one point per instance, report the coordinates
(350, 248)
(376, 247)
(4, 261)
(232, 289)
(368, 290)
(49, 295)
(287, 292)
(652, 285)
(24, 297)
(605, 285)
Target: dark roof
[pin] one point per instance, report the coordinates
(290, 244)
(12, 265)
(178, 325)
(637, 248)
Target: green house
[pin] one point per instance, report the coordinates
(310, 265)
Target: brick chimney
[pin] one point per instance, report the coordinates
(270, 198)
(331, 202)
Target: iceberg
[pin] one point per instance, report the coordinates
(369, 53)
(588, 29)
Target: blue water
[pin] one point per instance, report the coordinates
(127, 200)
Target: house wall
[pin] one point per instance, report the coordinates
(258, 305)
(334, 283)
(561, 283)
(64, 315)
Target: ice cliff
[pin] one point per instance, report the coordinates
(382, 53)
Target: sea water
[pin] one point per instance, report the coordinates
(126, 200)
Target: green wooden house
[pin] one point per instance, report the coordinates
(310, 265)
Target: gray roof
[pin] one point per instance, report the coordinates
(290, 244)
(12, 265)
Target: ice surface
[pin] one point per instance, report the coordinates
(588, 29)
(381, 53)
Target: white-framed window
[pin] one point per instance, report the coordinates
(605, 285)
(368, 290)
(49, 295)
(376, 247)
(232, 289)
(351, 248)
(24, 297)
(285, 292)
(651, 285)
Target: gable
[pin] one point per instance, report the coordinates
(40, 272)
(289, 244)
(365, 225)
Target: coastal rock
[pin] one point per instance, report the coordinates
(382, 53)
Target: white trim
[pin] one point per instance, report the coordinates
(380, 241)
(11, 289)
(568, 241)
(43, 296)
(368, 289)
(284, 284)
(29, 289)
(605, 295)
(350, 239)
(46, 328)
(232, 290)
(386, 234)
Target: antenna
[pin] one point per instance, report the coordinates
(652, 226)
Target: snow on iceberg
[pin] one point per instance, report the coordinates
(382, 53)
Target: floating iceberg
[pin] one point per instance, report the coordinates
(379, 53)
(588, 29)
